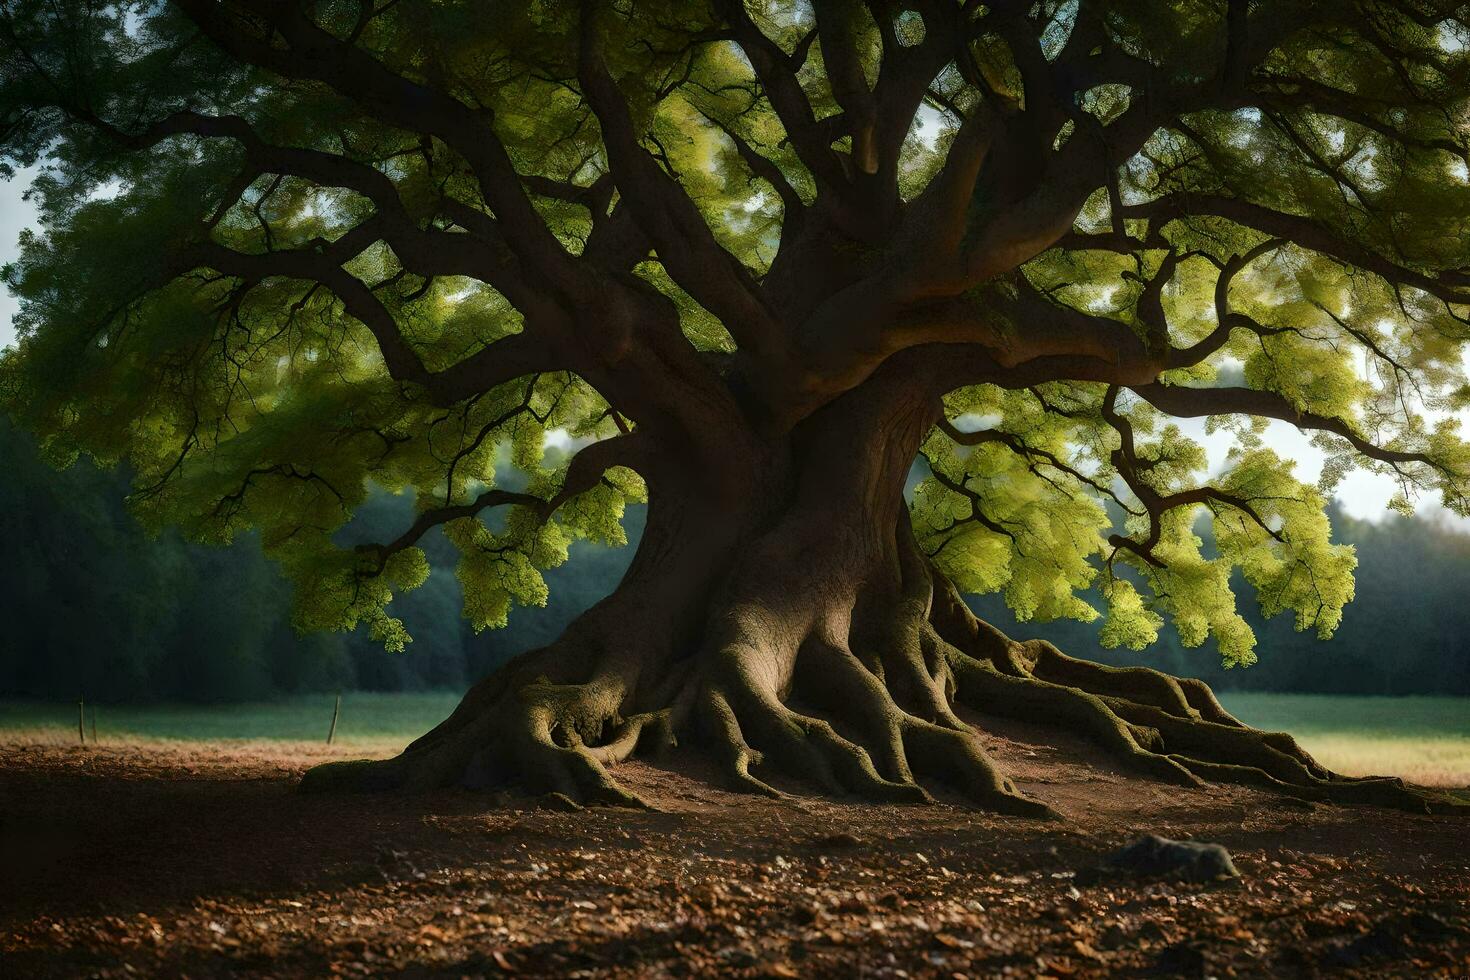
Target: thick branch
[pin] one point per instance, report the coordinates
(1452, 286)
(777, 73)
(1184, 402)
(312, 54)
(839, 25)
(686, 246)
(504, 360)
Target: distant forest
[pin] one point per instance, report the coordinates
(92, 605)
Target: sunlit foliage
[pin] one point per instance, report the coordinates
(264, 290)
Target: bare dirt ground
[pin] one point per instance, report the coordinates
(199, 860)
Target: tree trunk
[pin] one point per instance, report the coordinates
(779, 613)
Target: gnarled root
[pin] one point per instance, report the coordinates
(1167, 727)
(869, 747)
(518, 727)
(850, 689)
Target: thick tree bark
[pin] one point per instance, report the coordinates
(780, 614)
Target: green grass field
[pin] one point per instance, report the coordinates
(366, 717)
(1423, 739)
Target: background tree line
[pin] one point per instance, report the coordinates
(92, 604)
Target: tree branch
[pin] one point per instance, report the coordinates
(312, 54)
(777, 73)
(501, 361)
(1452, 286)
(686, 246)
(583, 473)
(1184, 402)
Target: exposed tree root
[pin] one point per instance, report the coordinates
(520, 727)
(870, 747)
(852, 692)
(1170, 728)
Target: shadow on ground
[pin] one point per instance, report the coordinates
(198, 859)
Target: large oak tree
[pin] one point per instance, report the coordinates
(755, 258)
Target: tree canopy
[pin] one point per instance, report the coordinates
(292, 250)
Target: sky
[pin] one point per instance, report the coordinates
(15, 214)
(1361, 494)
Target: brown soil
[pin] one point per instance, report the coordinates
(198, 859)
